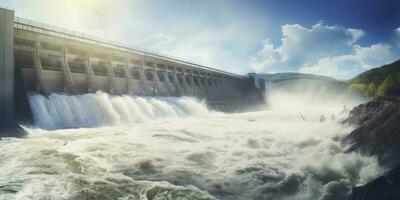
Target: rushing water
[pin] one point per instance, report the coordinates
(93, 110)
(174, 148)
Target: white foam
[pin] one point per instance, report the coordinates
(277, 154)
(58, 111)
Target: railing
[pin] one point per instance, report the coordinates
(29, 25)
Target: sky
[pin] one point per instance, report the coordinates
(337, 38)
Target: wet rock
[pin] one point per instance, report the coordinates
(12, 131)
(378, 130)
(377, 133)
(386, 187)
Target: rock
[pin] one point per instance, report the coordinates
(377, 133)
(386, 187)
(377, 130)
(12, 131)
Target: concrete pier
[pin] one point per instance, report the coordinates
(92, 83)
(68, 82)
(7, 75)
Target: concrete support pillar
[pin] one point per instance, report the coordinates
(157, 86)
(171, 90)
(182, 84)
(196, 86)
(162, 88)
(41, 86)
(222, 87)
(186, 90)
(196, 89)
(156, 89)
(129, 78)
(177, 84)
(68, 82)
(203, 89)
(92, 83)
(7, 70)
(114, 86)
(204, 86)
(146, 86)
(211, 90)
(189, 82)
(200, 88)
(218, 89)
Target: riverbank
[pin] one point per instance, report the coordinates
(377, 133)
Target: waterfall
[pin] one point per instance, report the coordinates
(59, 111)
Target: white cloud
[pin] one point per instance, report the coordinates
(397, 32)
(213, 47)
(321, 49)
(346, 66)
(301, 45)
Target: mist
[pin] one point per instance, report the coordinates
(303, 94)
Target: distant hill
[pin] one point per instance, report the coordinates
(292, 76)
(377, 75)
(379, 81)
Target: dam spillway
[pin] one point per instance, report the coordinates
(44, 59)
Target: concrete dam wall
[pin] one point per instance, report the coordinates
(39, 58)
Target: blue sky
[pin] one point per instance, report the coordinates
(335, 38)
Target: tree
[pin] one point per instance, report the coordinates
(371, 89)
(358, 89)
(390, 86)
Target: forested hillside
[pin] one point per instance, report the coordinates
(379, 81)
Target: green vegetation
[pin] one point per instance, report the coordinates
(376, 82)
(380, 81)
(390, 86)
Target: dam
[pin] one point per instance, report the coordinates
(44, 59)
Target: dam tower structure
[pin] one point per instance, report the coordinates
(45, 59)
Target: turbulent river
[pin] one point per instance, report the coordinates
(98, 146)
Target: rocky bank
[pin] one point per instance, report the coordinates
(377, 133)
